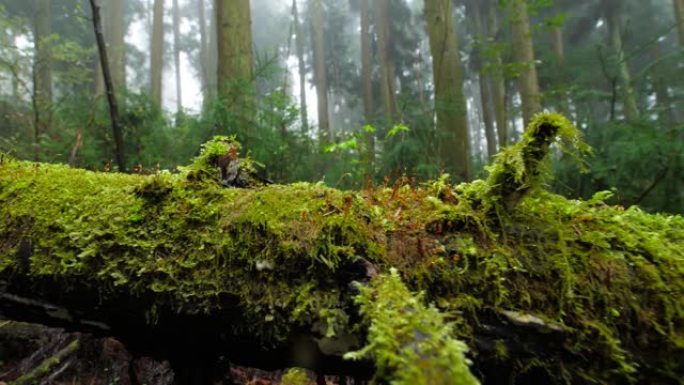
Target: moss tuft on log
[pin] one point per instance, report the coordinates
(540, 288)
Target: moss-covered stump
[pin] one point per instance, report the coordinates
(214, 263)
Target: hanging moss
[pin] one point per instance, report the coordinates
(586, 292)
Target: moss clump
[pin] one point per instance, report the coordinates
(295, 376)
(410, 343)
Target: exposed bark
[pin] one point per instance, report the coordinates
(367, 84)
(523, 51)
(679, 18)
(498, 81)
(450, 105)
(117, 131)
(114, 36)
(484, 79)
(299, 31)
(157, 55)
(42, 72)
(235, 59)
(387, 67)
(613, 14)
(320, 70)
(204, 47)
(176, 55)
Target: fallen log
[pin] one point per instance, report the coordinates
(212, 265)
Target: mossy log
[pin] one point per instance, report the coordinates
(189, 267)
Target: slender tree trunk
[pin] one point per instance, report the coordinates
(111, 95)
(484, 80)
(157, 57)
(212, 56)
(176, 55)
(234, 32)
(42, 71)
(559, 53)
(387, 69)
(450, 105)
(498, 80)
(203, 51)
(116, 34)
(612, 12)
(367, 84)
(302, 68)
(320, 75)
(523, 49)
(679, 15)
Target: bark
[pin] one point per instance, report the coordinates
(450, 105)
(498, 80)
(367, 83)
(234, 35)
(484, 79)
(265, 276)
(387, 67)
(612, 14)
(176, 55)
(42, 71)
(204, 76)
(117, 130)
(523, 50)
(115, 38)
(679, 18)
(157, 56)
(299, 31)
(320, 70)
(559, 52)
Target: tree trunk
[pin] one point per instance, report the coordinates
(679, 18)
(320, 70)
(613, 14)
(484, 80)
(42, 72)
(176, 55)
(157, 56)
(204, 78)
(299, 31)
(523, 50)
(559, 52)
(498, 80)
(450, 105)
(115, 37)
(234, 32)
(186, 268)
(367, 85)
(117, 131)
(387, 68)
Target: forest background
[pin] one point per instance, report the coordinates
(352, 92)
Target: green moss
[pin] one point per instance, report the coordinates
(410, 343)
(611, 278)
(295, 376)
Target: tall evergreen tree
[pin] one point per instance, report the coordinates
(450, 105)
(157, 52)
(523, 50)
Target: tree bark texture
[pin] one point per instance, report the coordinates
(450, 105)
(183, 268)
(613, 16)
(204, 47)
(523, 50)
(117, 130)
(498, 80)
(176, 55)
(299, 32)
(157, 55)
(320, 69)
(234, 32)
(115, 34)
(367, 83)
(42, 71)
(386, 61)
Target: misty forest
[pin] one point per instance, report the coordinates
(406, 192)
